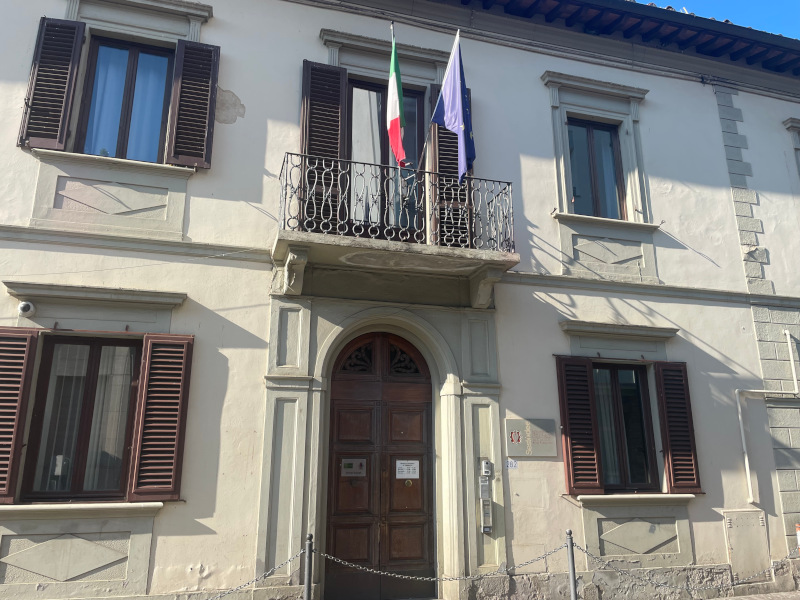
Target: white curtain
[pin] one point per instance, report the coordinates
(107, 437)
(604, 399)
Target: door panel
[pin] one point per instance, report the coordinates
(357, 423)
(355, 485)
(380, 494)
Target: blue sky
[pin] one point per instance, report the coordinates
(774, 16)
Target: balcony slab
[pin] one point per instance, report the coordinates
(294, 251)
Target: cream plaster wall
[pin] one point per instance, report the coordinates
(208, 539)
(214, 539)
(236, 201)
(777, 181)
(715, 340)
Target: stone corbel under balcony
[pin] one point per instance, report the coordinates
(294, 251)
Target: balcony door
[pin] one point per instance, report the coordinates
(380, 490)
(383, 199)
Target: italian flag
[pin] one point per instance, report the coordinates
(395, 119)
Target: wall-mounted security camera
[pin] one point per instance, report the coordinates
(26, 309)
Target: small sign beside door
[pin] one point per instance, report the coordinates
(530, 437)
(354, 467)
(407, 469)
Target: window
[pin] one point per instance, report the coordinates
(595, 165)
(608, 434)
(126, 101)
(344, 119)
(598, 149)
(624, 427)
(139, 102)
(82, 418)
(108, 418)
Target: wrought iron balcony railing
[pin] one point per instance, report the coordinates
(347, 198)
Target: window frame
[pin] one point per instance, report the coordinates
(581, 98)
(619, 178)
(134, 50)
(419, 95)
(619, 428)
(579, 426)
(48, 343)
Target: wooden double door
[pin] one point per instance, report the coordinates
(380, 495)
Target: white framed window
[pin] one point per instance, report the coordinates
(598, 148)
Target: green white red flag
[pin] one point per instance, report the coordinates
(395, 119)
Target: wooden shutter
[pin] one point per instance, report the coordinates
(161, 417)
(579, 425)
(17, 355)
(324, 115)
(453, 213)
(192, 106)
(45, 119)
(677, 431)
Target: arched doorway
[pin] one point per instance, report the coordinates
(380, 472)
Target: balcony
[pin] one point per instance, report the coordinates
(341, 213)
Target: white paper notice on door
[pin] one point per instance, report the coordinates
(407, 469)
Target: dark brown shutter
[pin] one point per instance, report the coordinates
(453, 214)
(579, 425)
(445, 142)
(324, 115)
(17, 355)
(677, 431)
(161, 417)
(45, 119)
(192, 106)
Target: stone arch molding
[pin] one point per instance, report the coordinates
(420, 332)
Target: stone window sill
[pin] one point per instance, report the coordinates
(113, 163)
(97, 510)
(634, 499)
(603, 222)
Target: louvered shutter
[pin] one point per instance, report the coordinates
(161, 417)
(192, 106)
(45, 119)
(677, 431)
(324, 119)
(17, 354)
(323, 115)
(453, 212)
(579, 425)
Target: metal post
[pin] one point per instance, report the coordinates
(309, 560)
(573, 584)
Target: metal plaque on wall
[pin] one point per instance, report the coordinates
(531, 437)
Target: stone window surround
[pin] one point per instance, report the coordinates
(156, 22)
(628, 514)
(595, 100)
(367, 57)
(634, 344)
(620, 237)
(120, 175)
(79, 519)
(83, 308)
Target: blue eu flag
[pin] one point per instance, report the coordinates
(453, 109)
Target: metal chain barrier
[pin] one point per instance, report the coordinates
(501, 570)
(259, 578)
(686, 588)
(626, 573)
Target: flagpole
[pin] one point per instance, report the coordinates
(430, 125)
(399, 171)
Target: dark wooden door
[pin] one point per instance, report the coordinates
(380, 496)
